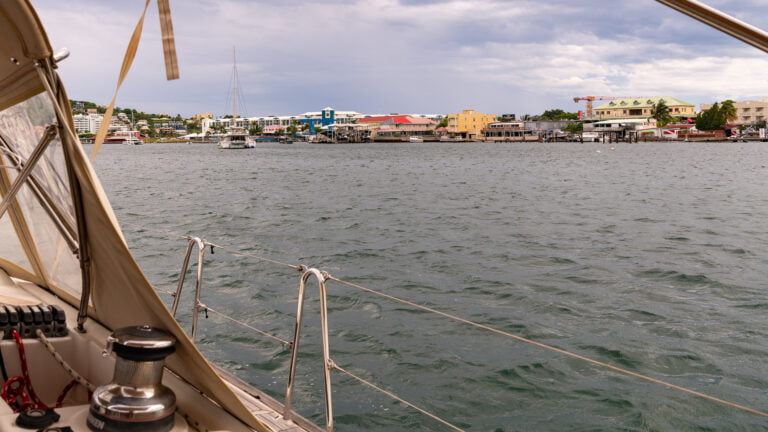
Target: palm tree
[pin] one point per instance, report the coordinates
(660, 112)
(728, 110)
(255, 129)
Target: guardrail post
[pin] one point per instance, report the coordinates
(198, 285)
(327, 364)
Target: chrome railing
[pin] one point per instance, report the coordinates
(327, 363)
(196, 305)
(322, 277)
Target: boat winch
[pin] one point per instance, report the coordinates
(135, 400)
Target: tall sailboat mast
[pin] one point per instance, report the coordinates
(237, 135)
(234, 85)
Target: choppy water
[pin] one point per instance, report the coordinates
(651, 257)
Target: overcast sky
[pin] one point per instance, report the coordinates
(405, 56)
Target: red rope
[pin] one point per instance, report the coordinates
(60, 400)
(26, 381)
(25, 372)
(15, 395)
(14, 392)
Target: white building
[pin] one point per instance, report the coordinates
(88, 123)
(325, 117)
(82, 124)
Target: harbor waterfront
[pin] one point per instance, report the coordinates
(648, 256)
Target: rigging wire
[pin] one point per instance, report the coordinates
(489, 329)
(217, 246)
(235, 98)
(395, 397)
(248, 326)
(551, 348)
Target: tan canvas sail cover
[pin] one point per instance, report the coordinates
(39, 236)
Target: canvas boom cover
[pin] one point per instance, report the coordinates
(39, 233)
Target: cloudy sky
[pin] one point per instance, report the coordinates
(406, 56)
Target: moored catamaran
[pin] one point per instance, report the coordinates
(236, 137)
(102, 350)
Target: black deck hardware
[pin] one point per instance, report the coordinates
(50, 319)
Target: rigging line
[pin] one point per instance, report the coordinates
(246, 254)
(261, 332)
(236, 321)
(207, 243)
(557, 350)
(240, 96)
(167, 233)
(395, 397)
(493, 330)
(170, 293)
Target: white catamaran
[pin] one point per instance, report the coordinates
(236, 137)
(103, 352)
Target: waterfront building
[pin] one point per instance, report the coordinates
(87, 123)
(327, 118)
(508, 131)
(82, 123)
(393, 126)
(468, 124)
(372, 122)
(168, 126)
(197, 117)
(748, 112)
(629, 108)
(94, 122)
(615, 129)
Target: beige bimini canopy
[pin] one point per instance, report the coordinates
(57, 228)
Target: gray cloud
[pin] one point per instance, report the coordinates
(382, 56)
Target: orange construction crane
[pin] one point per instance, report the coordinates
(589, 100)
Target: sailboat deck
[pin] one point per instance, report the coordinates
(265, 408)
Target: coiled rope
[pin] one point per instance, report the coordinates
(476, 325)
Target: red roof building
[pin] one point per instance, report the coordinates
(398, 125)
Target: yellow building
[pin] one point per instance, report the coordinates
(468, 124)
(643, 107)
(198, 117)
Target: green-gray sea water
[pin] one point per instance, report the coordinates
(651, 257)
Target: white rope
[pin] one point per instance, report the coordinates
(73, 373)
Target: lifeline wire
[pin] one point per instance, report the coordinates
(557, 350)
(493, 330)
(261, 332)
(395, 397)
(225, 248)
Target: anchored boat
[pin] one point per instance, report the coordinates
(236, 137)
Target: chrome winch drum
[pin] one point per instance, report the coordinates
(135, 400)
